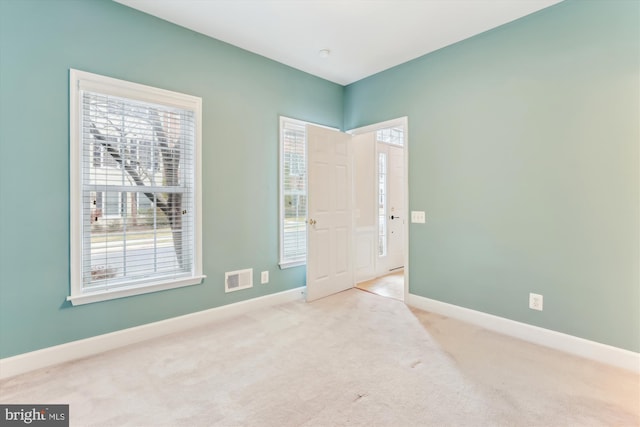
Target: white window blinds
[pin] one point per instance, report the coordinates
(138, 209)
(293, 173)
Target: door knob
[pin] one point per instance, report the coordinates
(312, 222)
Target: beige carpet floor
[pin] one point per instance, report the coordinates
(354, 358)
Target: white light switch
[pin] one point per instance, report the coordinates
(418, 217)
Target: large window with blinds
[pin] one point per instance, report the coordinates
(135, 188)
(293, 192)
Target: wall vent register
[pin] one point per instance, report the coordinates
(237, 280)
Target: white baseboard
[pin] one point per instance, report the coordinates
(49, 356)
(567, 343)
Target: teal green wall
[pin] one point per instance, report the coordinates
(243, 95)
(524, 155)
(523, 152)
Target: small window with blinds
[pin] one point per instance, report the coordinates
(135, 189)
(293, 192)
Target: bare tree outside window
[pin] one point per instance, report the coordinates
(141, 148)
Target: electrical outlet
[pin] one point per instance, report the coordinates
(264, 277)
(535, 302)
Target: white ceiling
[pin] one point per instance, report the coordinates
(364, 36)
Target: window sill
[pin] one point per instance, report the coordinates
(291, 264)
(97, 296)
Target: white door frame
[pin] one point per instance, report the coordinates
(404, 122)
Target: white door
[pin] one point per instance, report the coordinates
(390, 208)
(329, 219)
(395, 213)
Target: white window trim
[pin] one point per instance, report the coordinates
(81, 80)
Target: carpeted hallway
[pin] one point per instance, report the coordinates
(354, 358)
